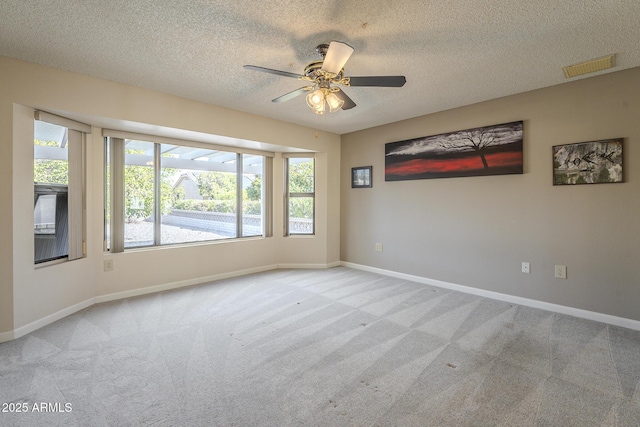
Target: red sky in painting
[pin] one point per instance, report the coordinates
(419, 166)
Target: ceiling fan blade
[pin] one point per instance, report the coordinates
(348, 102)
(336, 57)
(276, 72)
(293, 94)
(380, 81)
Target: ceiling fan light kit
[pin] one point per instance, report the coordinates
(322, 74)
(334, 102)
(315, 100)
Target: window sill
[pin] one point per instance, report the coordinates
(189, 244)
(50, 263)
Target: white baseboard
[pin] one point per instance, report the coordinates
(590, 315)
(557, 308)
(180, 284)
(309, 266)
(44, 321)
(6, 336)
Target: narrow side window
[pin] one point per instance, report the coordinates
(58, 176)
(299, 195)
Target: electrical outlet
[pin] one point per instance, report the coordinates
(526, 267)
(108, 265)
(378, 247)
(561, 271)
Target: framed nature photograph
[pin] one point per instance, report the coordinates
(593, 162)
(487, 150)
(361, 177)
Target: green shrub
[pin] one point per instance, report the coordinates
(220, 206)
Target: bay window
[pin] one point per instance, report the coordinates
(163, 191)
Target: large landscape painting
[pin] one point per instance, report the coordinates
(489, 150)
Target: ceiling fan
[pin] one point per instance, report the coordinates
(327, 72)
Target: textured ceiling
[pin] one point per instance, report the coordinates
(452, 53)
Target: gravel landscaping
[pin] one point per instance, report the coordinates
(141, 234)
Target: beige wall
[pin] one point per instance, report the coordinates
(30, 296)
(6, 217)
(468, 231)
(476, 231)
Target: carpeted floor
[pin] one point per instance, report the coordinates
(336, 347)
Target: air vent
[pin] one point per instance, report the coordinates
(588, 67)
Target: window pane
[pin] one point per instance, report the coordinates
(252, 195)
(198, 188)
(107, 197)
(139, 193)
(44, 214)
(301, 196)
(51, 178)
(301, 175)
(301, 215)
(51, 164)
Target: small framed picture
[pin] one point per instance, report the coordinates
(591, 162)
(361, 177)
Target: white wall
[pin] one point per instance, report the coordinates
(476, 231)
(31, 297)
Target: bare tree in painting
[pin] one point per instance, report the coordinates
(475, 139)
(454, 153)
